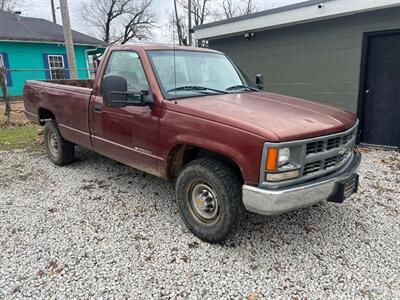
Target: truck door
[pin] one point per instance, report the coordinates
(129, 134)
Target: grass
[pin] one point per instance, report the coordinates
(17, 132)
(19, 137)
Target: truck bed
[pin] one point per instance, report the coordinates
(68, 102)
(84, 83)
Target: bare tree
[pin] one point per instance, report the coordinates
(234, 8)
(119, 20)
(177, 20)
(8, 5)
(101, 14)
(200, 14)
(11, 5)
(3, 88)
(200, 10)
(138, 22)
(204, 11)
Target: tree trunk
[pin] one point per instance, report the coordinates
(178, 26)
(3, 87)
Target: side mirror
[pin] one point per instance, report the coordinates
(114, 91)
(260, 81)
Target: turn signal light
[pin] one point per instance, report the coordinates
(271, 163)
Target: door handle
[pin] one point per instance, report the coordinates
(367, 91)
(97, 108)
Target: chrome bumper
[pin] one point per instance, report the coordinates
(271, 202)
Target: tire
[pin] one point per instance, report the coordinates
(60, 151)
(209, 198)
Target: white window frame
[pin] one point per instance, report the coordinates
(50, 68)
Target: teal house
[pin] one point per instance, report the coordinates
(34, 49)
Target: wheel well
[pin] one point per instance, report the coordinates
(182, 154)
(45, 114)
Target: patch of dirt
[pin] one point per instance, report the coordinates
(17, 117)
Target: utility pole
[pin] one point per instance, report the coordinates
(69, 44)
(53, 11)
(190, 21)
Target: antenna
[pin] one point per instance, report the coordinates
(174, 50)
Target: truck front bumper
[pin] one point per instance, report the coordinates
(271, 202)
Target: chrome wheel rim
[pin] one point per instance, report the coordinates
(203, 202)
(53, 143)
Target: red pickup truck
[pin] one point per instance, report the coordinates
(191, 115)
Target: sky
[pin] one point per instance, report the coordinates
(42, 9)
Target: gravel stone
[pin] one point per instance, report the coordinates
(99, 229)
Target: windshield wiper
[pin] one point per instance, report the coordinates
(196, 88)
(242, 87)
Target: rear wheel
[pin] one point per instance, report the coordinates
(60, 151)
(209, 198)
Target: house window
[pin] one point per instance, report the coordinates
(56, 66)
(93, 65)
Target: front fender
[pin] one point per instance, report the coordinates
(242, 147)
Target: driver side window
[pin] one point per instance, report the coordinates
(127, 64)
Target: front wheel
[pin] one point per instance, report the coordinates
(209, 198)
(60, 151)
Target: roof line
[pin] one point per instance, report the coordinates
(48, 42)
(299, 13)
(262, 13)
(23, 28)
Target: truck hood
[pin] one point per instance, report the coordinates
(276, 117)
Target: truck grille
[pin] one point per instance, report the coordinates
(312, 167)
(315, 147)
(327, 164)
(327, 154)
(314, 157)
(329, 144)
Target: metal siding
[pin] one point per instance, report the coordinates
(318, 61)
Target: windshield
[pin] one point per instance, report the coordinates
(197, 73)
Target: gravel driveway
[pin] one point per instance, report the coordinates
(99, 229)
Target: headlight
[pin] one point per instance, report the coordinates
(283, 156)
(276, 158)
(279, 166)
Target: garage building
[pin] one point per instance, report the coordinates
(340, 52)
